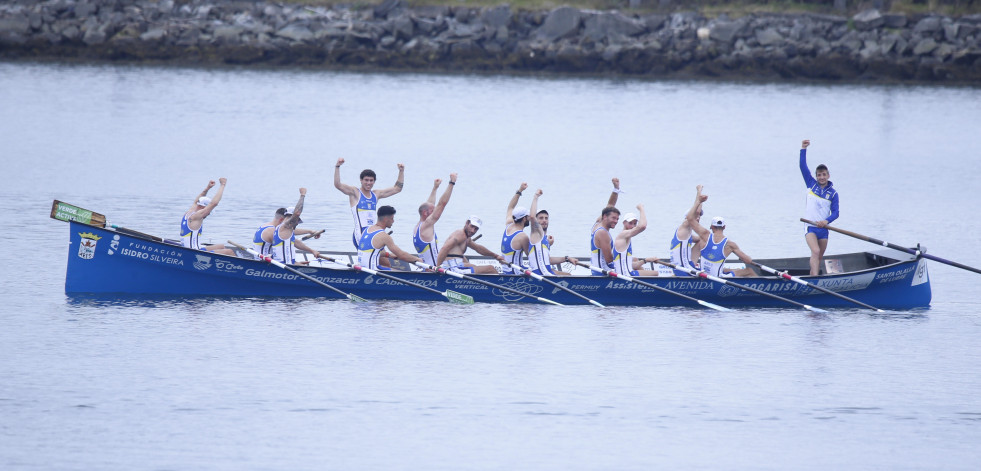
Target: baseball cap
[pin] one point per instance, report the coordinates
(204, 201)
(475, 222)
(629, 217)
(289, 212)
(519, 212)
(718, 221)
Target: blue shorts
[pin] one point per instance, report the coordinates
(820, 232)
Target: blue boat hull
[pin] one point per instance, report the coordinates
(110, 262)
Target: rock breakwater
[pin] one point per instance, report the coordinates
(870, 45)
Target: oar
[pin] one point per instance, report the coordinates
(538, 277)
(716, 279)
(478, 280)
(313, 234)
(788, 276)
(266, 258)
(915, 251)
(613, 274)
(450, 295)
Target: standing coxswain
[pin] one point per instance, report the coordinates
(375, 240)
(821, 206)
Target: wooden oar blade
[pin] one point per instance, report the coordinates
(68, 212)
(458, 298)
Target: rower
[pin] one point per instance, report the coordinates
(282, 238)
(542, 217)
(600, 241)
(375, 240)
(363, 200)
(540, 259)
(192, 224)
(682, 242)
(424, 238)
(451, 255)
(514, 242)
(821, 206)
(264, 246)
(624, 262)
(714, 246)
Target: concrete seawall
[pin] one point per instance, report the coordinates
(868, 46)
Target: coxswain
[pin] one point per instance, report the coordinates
(192, 224)
(821, 206)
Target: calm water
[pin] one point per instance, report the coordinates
(315, 384)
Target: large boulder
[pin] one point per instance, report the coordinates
(769, 37)
(611, 26)
(928, 25)
(726, 31)
(497, 16)
(560, 23)
(298, 33)
(868, 19)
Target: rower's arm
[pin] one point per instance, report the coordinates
(834, 208)
(399, 253)
(399, 183)
(443, 200)
(214, 201)
(432, 195)
(605, 246)
(346, 189)
(484, 250)
(291, 222)
(692, 216)
(804, 172)
(194, 204)
(300, 245)
(615, 194)
(514, 202)
(732, 248)
(536, 228)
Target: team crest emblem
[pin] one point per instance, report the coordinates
(203, 262)
(86, 246)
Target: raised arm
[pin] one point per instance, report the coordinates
(432, 195)
(194, 204)
(804, 171)
(514, 202)
(399, 183)
(692, 217)
(536, 229)
(613, 196)
(203, 213)
(443, 200)
(294, 219)
(641, 224)
(346, 189)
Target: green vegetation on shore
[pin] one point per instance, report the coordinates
(710, 8)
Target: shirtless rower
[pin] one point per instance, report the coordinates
(624, 262)
(540, 259)
(514, 242)
(282, 238)
(715, 246)
(456, 245)
(363, 200)
(682, 243)
(600, 241)
(424, 237)
(375, 240)
(821, 206)
(192, 224)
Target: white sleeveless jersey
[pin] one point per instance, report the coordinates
(681, 251)
(364, 214)
(623, 262)
(282, 249)
(539, 257)
(190, 238)
(368, 255)
(713, 256)
(596, 255)
(428, 250)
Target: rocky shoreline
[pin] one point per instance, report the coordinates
(393, 36)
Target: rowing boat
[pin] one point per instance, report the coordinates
(111, 261)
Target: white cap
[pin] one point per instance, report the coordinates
(475, 222)
(519, 212)
(718, 222)
(629, 217)
(204, 201)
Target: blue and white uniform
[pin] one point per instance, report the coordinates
(510, 254)
(713, 256)
(428, 250)
(820, 203)
(189, 238)
(282, 249)
(368, 255)
(595, 254)
(260, 245)
(623, 262)
(364, 214)
(539, 257)
(681, 253)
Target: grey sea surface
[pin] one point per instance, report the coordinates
(232, 383)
